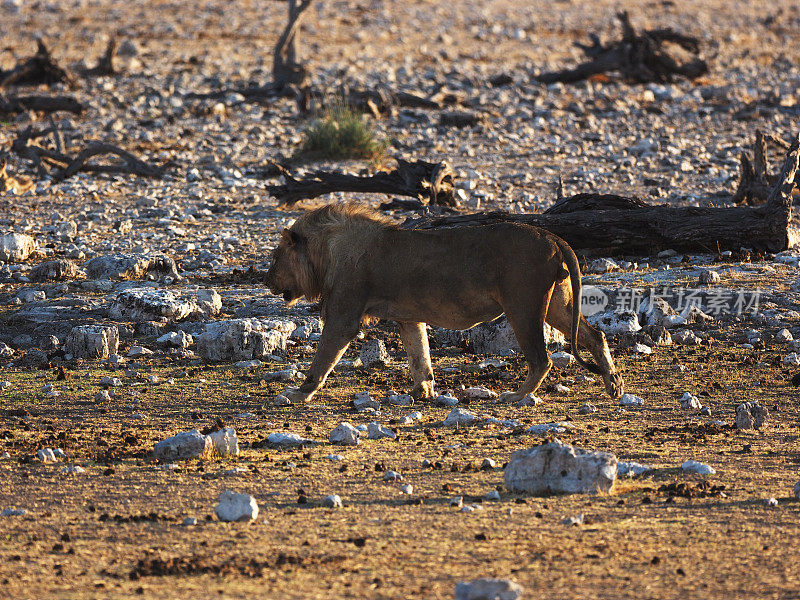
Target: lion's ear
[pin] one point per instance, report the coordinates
(292, 238)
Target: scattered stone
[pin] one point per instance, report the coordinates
(488, 589)
(460, 417)
(631, 469)
(631, 400)
(92, 341)
(332, 501)
(183, 446)
(47, 455)
(445, 400)
(285, 439)
(400, 400)
(139, 351)
(344, 434)
(284, 375)
(373, 354)
(364, 401)
(602, 265)
(548, 428)
(375, 431)
(243, 339)
(16, 247)
(529, 400)
(689, 402)
(53, 270)
(493, 496)
(189, 522)
(392, 476)
(615, 322)
(751, 415)
(642, 349)
(236, 507)
(457, 502)
(708, 277)
(147, 304)
(562, 359)
(493, 362)
(588, 408)
(556, 467)
(771, 502)
(130, 266)
(73, 470)
(248, 364)
(488, 464)
(479, 393)
(176, 339)
(792, 359)
(225, 441)
(407, 488)
(693, 466)
(784, 335)
(797, 490)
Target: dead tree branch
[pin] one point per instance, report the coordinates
(606, 224)
(637, 57)
(755, 180)
(40, 68)
(105, 64)
(13, 105)
(429, 182)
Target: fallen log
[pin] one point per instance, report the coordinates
(638, 57)
(428, 182)
(607, 224)
(13, 105)
(40, 68)
(66, 166)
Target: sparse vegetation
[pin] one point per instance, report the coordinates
(341, 133)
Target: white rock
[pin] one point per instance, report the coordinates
(332, 501)
(184, 446)
(692, 466)
(562, 359)
(631, 469)
(530, 400)
(445, 400)
(479, 393)
(248, 364)
(615, 322)
(400, 400)
(631, 400)
(642, 349)
(772, 502)
(148, 304)
(576, 520)
(792, 359)
(363, 401)
(602, 265)
(493, 496)
(110, 381)
(548, 428)
(46, 455)
(345, 434)
(751, 415)
(493, 362)
(392, 476)
(460, 417)
(176, 339)
(375, 431)
(686, 337)
(92, 341)
(189, 522)
(15, 247)
(284, 375)
(689, 402)
(236, 507)
(654, 311)
(243, 339)
(457, 501)
(129, 266)
(407, 488)
(556, 467)
(588, 408)
(708, 277)
(784, 335)
(488, 589)
(73, 470)
(281, 438)
(335, 457)
(373, 354)
(225, 441)
(137, 351)
(487, 464)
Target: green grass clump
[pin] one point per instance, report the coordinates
(341, 133)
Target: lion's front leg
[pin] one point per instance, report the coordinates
(415, 341)
(332, 344)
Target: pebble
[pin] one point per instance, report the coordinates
(693, 466)
(332, 501)
(236, 507)
(376, 431)
(392, 476)
(189, 521)
(689, 402)
(631, 400)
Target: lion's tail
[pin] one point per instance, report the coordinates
(568, 255)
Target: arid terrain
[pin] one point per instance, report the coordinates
(172, 266)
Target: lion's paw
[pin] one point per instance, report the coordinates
(510, 397)
(615, 385)
(295, 395)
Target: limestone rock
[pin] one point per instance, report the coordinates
(225, 441)
(236, 507)
(147, 304)
(15, 247)
(344, 434)
(130, 266)
(488, 589)
(184, 446)
(92, 341)
(556, 467)
(374, 354)
(243, 339)
(751, 415)
(53, 270)
(376, 431)
(459, 417)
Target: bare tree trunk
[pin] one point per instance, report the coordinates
(285, 68)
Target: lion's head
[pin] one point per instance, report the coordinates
(291, 274)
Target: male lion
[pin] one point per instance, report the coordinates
(360, 265)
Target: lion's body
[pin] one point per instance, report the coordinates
(360, 265)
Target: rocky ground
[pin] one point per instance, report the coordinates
(153, 275)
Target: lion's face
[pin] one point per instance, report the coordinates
(288, 276)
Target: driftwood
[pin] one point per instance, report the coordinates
(65, 166)
(608, 224)
(637, 57)
(429, 182)
(47, 104)
(105, 64)
(38, 69)
(755, 181)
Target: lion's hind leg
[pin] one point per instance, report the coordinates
(526, 316)
(415, 341)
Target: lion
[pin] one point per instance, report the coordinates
(359, 265)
